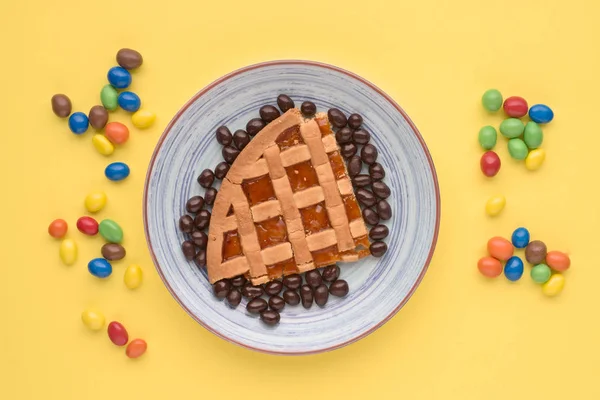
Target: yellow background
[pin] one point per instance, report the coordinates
(459, 337)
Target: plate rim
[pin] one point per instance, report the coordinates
(264, 64)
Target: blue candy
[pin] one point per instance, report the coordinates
(520, 238)
(100, 268)
(119, 77)
(78, 123)
(513, 270)
(117, 171)
(129, 101)
(541, 114)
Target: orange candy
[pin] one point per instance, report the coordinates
(500, 248)
(489, 266)
(116, 132)
(58, 228)
(558, 261)
(136, 348)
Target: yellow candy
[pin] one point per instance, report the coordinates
(93, 319)
(103, 145)
(495, 205)
(133, 276)
(554, 286)
(95, 201)
(143, 119)
(68, 251)
(535, 159)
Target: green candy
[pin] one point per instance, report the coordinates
(487, 137)
(492, 100)
(108, 97)
(533, 135)
(512, 128)
(517, 149)
(111, 231)
(540, 273)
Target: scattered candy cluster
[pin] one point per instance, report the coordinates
(117, 333)
(547, 267)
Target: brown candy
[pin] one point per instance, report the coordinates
(370, 216)
(368, 154)
(337, 117)
(230, 153)
(234, 297)
(98, 117)
(384, 210)
(186, 223)
(285, 102)
(269, 113)
(221, 170)
(270, 317)
(189, 250)
(339, 288)
(348, 150)
(361, 136)
(306, 294)
(313, 278)
(194, 204)
(365, 197)
(292, 281)
(254, 126)
(200, 239)
(224, 136)
(308, 108)
(61, 105)
(200, 258)
(321, 295)
(256, 305)
(129, 58)
(113, 251)
(355, 121)
(381, 190)
(378, 248)
(535, 252)
(210, 195)
(202, 220)
(241, 139)
(331, 273)
(354, 166)
(291, 297)
(274, 287)
(361, 180)
(276, 303)
(343, 135)
(379, 232)
(376, 171)
(206, 178)
(238, 281)
(221, 288)
(252, 292)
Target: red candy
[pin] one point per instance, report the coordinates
(58, 228)
(515, 107)
(117, 333)
(136, 348)
(490, 163)
(87, 226)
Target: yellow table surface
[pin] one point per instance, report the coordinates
(459, 337)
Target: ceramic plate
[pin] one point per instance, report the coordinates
(379, 287)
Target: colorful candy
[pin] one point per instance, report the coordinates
(87, 226)
(500, 248)
(117, 333)
(136, 348)
(95, 201)
(133, 276)
(68, 251)
(513, 270)
(116, 132)
(520, 238)
(109, 97)
(512, 128)
(129, 101)
(129, 58)
(495, 205)
(490, 163)
(535, 159)
(58, 228)
(492, 100)
(489, 266)
(78, 123)
(111, 231)
(515, 106)
(541, 114)
(533, 135)
(117, 171)
(535, 252)
(517, 149)
(487, 137)
(102, 144)
(143, 119)
(100, 268)
(540, 273)
(98, 117)
(558, 261)
(61, 105)
(554, 286)
(119, 77)
(93, 319)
